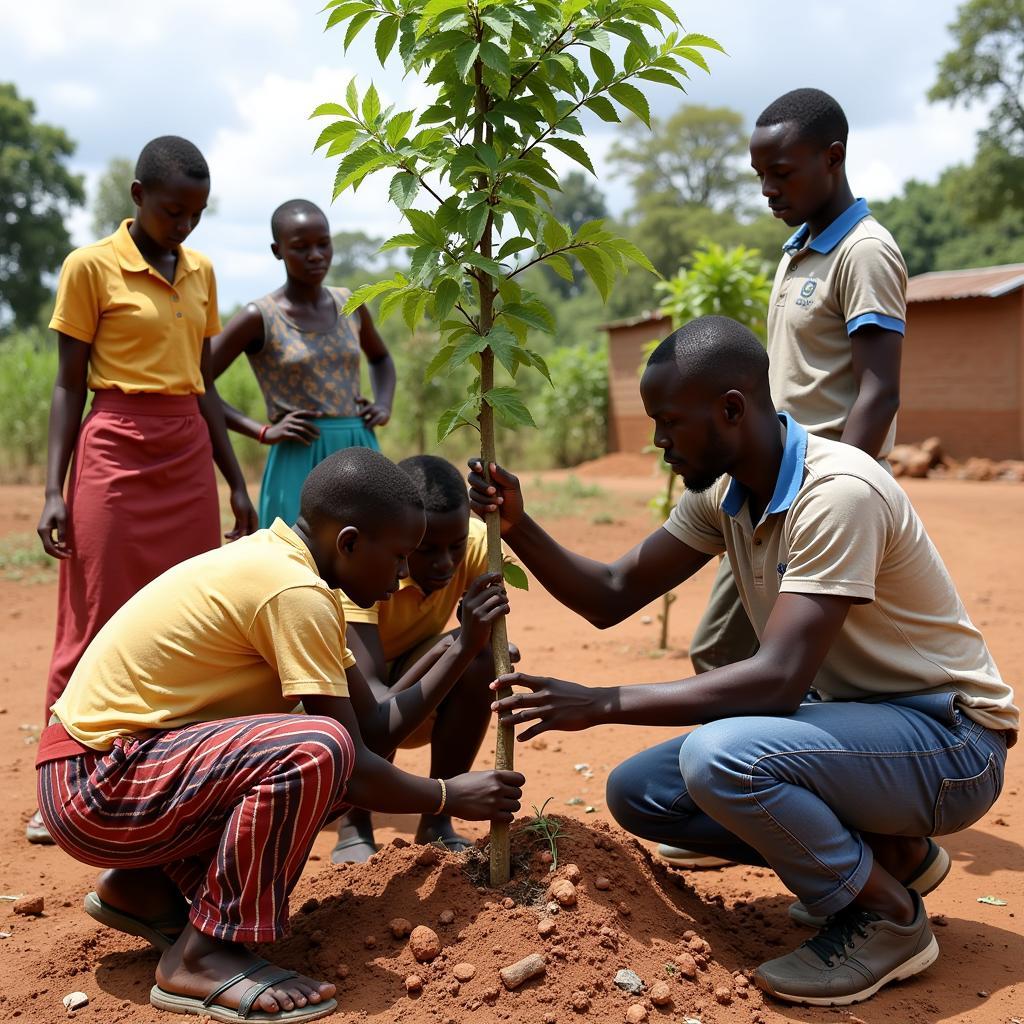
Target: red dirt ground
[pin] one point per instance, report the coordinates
(740, 912)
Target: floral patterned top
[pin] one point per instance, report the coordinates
(316, 371)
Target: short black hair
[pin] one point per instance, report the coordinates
(280, 216)
(356, 487)
(719, 352)
(818, 117)
(168, 155)
(442, 485)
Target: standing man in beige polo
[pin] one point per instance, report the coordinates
(835, 320)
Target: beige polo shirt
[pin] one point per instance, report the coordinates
(839, 524)
(850, 276)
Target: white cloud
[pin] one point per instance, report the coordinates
(75, 95)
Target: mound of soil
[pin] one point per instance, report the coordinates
(629, 913)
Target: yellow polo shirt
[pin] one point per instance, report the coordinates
(146, 333)
(410, 617)
(247, 629)
(839, 524)
(850, 276)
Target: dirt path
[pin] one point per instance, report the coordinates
(978, 979)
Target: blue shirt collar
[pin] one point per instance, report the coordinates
(791, 474)
(833, 234)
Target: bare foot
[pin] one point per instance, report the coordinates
(197, 965)
(439, 829)
(145, 893)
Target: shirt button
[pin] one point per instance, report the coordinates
(178, 315)
(757, 543)
(175, 298)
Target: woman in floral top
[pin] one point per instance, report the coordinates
(305, 353)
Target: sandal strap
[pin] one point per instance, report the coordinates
(247, 1001)
(257, 966)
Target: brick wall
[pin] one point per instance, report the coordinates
(629, 429)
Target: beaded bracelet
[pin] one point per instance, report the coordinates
(444, 797)
(263, 433)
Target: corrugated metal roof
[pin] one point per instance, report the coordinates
(980, 283)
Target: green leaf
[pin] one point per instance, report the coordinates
(573, 149)
(696, 39)
(514, 575)
(398, 127)
(663, 77)
(464, 57)
(329, 108)
(499, 20)
(335, 131)
(424, 260)
(361, 171)
(435, 114)
(662, 8)
(599, 269)
(532, 317)
(445, 296)
(471, 345)
(439, 362)
(602, 64)
(603, 107)
(352, 95)
(509, 407)
(371, 105)
(474, 221)
(495, 58)
(424, 226)
(403, 189)
(633, 100)
(633, 252)
(433, 10)
(413, 308)
(555, 236)
(503, 344)
(694, 57)
(537, 361)
(384, 40)
(370, 291)
(453, 418)
(405, 241)
(343, 11)
(474, 259)
(355, 26)
(560, 265)
(514, 245)
(390, 303)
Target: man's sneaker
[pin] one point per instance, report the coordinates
(37, 832)
(930, 874)
(680, 858)
(851, 958)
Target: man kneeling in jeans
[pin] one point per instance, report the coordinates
(848, 595)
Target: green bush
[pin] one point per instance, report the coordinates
(28, 366)
(574, 414)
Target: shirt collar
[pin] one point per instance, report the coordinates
(131, 259)
(279, 528)
(791, 474)
(833, 234)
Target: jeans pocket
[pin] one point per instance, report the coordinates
(961, 802)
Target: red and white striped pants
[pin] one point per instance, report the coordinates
(228, 809)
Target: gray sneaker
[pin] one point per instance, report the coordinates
(851, 958)
(679, 857)
(930, 874)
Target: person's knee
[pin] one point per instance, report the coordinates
(328, 743)
(711, 762)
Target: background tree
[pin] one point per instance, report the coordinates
(113, 202)
(37, 191)
(472, 181)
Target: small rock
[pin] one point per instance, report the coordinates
(399, 927)
(370, 942)
(414, 983)
(661, 994)
(624, 910)
(636, 1014)
(446, 917)
(508, 903)
(723, 994)
(428, 856)
(940, 920)
(464, 971)
(564, 893)
(399, 843)
(454, 988)
(552, 908)
(424, 943)
(629, 981)
(580, 1002)
(30, 906)
(489, 995)
(601, 883)
(529, 967)
(572, 873)
(309, 906)
(341, 972)
(75, 1001)
(687, 965)
(546, 857)
(740, 981)
(546, 927)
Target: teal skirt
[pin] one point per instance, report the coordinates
(289, 463)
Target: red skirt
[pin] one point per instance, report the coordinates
(142, 498)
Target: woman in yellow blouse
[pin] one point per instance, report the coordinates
(134, 316)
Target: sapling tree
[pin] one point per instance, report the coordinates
(471, 173)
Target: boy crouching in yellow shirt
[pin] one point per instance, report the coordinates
(172, 757)
(396, 641)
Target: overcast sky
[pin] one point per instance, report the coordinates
(240, 77)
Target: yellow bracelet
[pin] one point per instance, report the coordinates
(444, 796)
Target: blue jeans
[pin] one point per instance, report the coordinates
(796, 792)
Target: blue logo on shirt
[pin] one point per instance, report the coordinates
(806, 291)
(781, 569)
